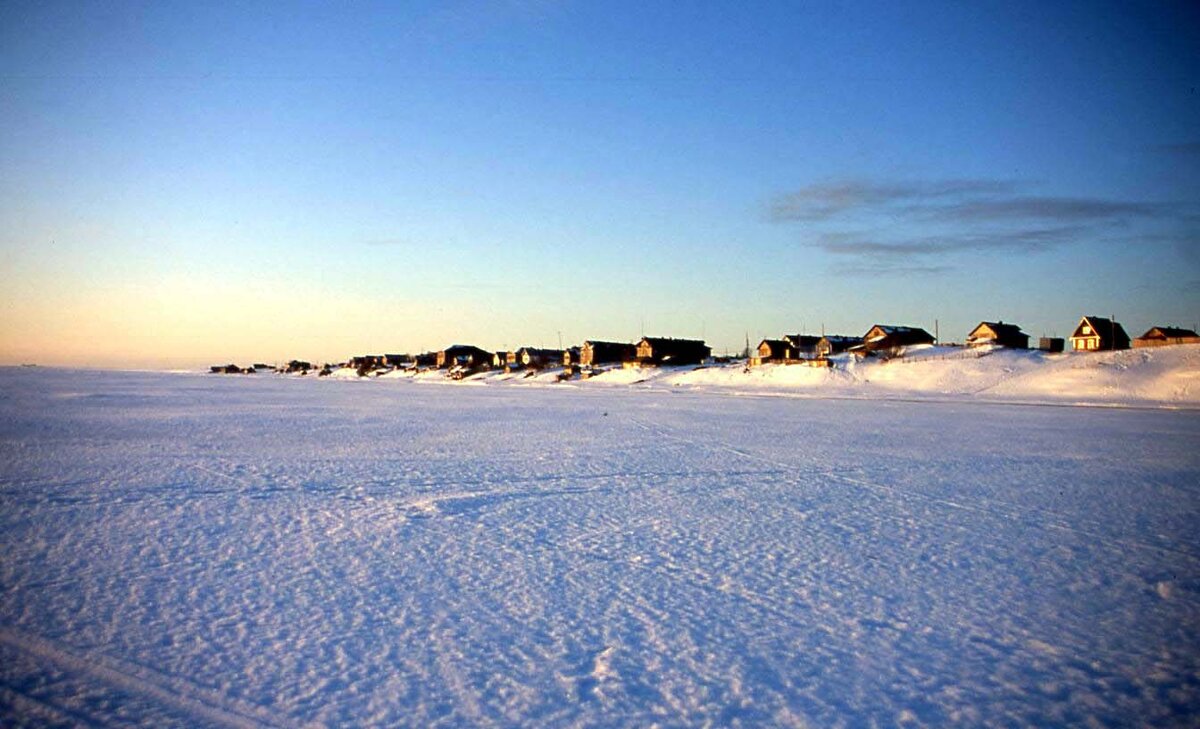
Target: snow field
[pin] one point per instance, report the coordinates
(256, 551)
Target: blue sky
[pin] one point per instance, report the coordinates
(186, 182)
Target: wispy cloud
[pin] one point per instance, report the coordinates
(826, 200)
(1030, 241)
(1060, 209)
(880, 227)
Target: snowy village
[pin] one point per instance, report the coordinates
(599, 365)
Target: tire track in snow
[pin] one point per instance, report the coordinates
(176, 693)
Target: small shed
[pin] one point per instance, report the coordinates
(667, 351)
(1051, 344)
(832, 344)
(998, 333)
(426, 359)
(1097, 334)
(1165, 336)
(571, 357)
(397, 360)
(595, 352)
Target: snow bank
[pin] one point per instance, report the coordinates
(1161, 377)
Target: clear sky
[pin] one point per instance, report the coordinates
(190, 183)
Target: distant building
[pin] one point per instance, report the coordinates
(832, 344)
(536, 358)
(1096, 333)
(426, 359)
(1164, 336)
(571, 357)
(891, 338)
(595, 352)
(463, 355)
(298, 365)
(998, 333)
(397, 360)
(503, 359)
(666, 351)
(1051, 344)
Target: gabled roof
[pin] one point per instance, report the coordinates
(1102, 326)
(903, 334)
(539, 352)
(1168, 333)
(1001, 328)
(841, 339)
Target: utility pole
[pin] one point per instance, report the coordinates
(936, 335)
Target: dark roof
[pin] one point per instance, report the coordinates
(600, 343)
(1002, 329)
(1169, 332)
(1103, 326)
(841, 339)
(775, 342)
(899, 335)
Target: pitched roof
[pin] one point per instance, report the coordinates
(1001, 328)
(1169, 332)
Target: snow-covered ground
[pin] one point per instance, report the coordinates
(200, 550)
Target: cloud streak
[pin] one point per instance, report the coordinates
(885, 226)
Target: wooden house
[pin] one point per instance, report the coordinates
(891, 338)
(1096, 333)
(536, 358)
(804, 346)
(397, 360)
(503, 359)
(832, 344)
(463, 355)
(999, 333)
(665, 351)
(772, 350)
(1164, 336)
(595, 352)
(571, 357)
(425, 359)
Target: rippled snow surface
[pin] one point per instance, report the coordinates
(266, 551)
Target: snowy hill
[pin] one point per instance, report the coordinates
(1161, 377)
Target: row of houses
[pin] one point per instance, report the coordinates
(1093, 333)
